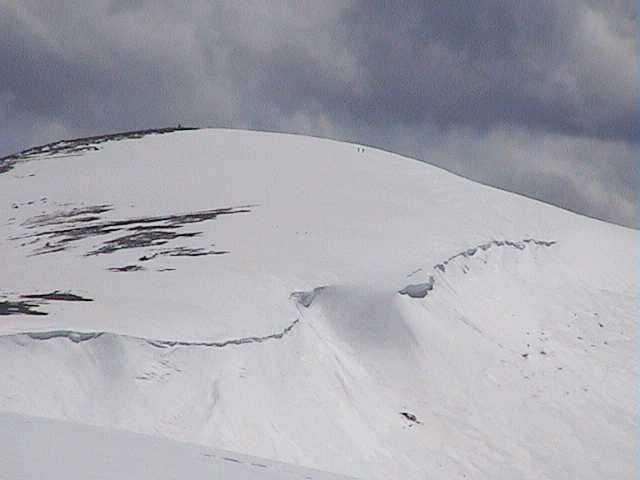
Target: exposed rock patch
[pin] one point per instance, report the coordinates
(78, 146)
(58, 296)
(147, 231)
(418, 290)
(126, 268)
(8, 307)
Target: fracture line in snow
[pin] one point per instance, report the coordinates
(79, 337)
(420, 290)
(238, 341)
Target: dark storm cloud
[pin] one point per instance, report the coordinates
(547, 66)
(534, 96)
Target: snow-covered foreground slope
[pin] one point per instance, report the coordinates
(37, 448)
(319, 304)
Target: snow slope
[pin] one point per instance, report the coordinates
(36, 448)
(317, 303)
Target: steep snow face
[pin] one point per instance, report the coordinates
(312, 302)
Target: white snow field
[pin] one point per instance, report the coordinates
(36, 448)
(311, 302)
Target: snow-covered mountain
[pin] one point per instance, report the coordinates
(314, 302)
(38, 448)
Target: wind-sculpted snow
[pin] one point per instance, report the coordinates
(79, 337)
(470, 252)
(75, 337)
(306, 298)
(421, 290)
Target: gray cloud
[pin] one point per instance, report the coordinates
(538, 97)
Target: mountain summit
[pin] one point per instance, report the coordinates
(314, 302)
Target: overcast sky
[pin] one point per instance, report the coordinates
(539, 97)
